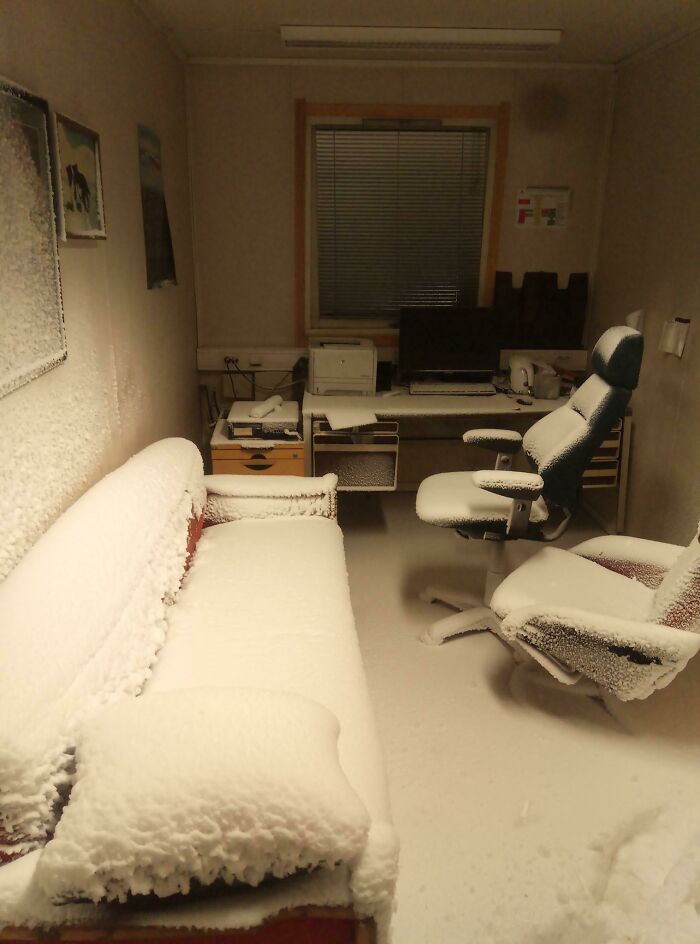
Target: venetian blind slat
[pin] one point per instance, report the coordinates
(399, 219)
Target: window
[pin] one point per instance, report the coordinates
(398, 218)
(395, 206)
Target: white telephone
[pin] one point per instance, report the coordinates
(522, 374)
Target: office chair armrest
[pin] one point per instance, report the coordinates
(526, 486)
(499, 440)
(629, 658)
(637, 558)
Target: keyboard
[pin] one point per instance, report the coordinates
(478, 389)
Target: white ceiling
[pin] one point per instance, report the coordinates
(595, 31)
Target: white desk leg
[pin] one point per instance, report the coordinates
(307, 426)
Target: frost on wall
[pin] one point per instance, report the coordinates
(31, 322)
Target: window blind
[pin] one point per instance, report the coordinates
(399, 219)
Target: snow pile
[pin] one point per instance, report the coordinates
(82, 617)
(636, 558)
(232, 497)
(199, 785)
(645, 889)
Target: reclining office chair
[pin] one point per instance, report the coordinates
(623, 613)
(502, 505)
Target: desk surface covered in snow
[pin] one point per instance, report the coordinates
(407, 404)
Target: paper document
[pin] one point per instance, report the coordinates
(348, 416)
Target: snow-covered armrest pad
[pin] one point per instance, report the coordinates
(500, 440)
(202, 785)
(630, 658)
(232, 497)
(523, 485)
(643, 560)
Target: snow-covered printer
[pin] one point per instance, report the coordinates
(342, 366)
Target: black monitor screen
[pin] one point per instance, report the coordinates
(447, 341)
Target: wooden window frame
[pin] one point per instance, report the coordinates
(498, 114)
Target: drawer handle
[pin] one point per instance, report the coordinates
(258, 466)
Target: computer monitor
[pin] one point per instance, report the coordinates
(444, 343)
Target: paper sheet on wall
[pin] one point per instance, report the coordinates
(543, 206)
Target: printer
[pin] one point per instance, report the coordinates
(342, 366)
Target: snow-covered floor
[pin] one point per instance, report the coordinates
(525, 815)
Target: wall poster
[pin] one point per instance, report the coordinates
(160, 261)
(543, 206)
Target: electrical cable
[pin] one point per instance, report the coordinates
(230, 361)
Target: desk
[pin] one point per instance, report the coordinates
(412, 412)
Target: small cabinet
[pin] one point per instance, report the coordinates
(236, 457)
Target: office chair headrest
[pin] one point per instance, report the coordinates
(617, 357)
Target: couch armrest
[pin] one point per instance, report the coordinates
(526, 486)
(629, 658)
(499, 440)
(232, 497)
(646, 561)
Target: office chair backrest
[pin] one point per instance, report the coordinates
(677, 598)
(561, 445)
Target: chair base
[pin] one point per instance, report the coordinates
(469, 619)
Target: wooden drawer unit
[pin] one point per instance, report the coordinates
(236, 459)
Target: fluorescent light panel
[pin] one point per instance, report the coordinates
(409, 37)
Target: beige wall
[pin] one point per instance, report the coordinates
(130, 376)
(650, 259)
(242, 121)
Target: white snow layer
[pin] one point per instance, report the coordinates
(644, 887)
(629, 658)
(231, 497)
(511, 484)
(199, 785)
(482, 437)
(451, 499)
(74, 637)
(267, 603)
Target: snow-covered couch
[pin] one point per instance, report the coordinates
(98, 612)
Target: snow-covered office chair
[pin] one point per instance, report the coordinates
(621, 612)
(501, 505)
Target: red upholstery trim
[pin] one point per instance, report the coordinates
(194, 533)
(9, 856)
(649, 574)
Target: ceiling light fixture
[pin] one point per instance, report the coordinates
(417, 38)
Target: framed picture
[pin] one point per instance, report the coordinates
(79, 207)
(32, 336)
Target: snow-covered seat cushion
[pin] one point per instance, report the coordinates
(201, 785)
(451, 499)
(233, 497)
(555, 577)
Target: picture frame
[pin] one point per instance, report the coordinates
(79, 204)
(32, 332)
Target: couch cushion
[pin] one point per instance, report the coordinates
(266, 604)
(198, 786)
